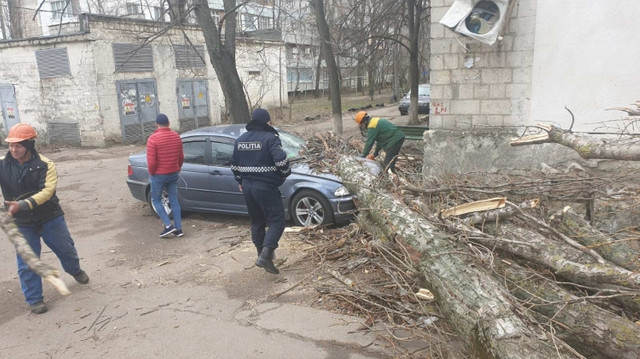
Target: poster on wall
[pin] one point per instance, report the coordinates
(129, 108)
(10, 113)
(186, 103)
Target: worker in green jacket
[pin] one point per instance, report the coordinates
(386, 136)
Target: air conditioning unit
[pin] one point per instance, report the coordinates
(481, 20)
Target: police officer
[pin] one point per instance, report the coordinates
(260, 165)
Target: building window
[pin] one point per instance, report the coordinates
(299, 75)
(157, 13)
(249, 22)
(254, 73)
(215, 16)
(133, 8)
(53, 62)
(188, 56)
(58, 10)
(264, 22)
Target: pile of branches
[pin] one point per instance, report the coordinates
(572, 288)
(365, 278)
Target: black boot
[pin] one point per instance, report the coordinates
(266, 261)
(259, 249)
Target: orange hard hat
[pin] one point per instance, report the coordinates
(20, 132)
(360, 116)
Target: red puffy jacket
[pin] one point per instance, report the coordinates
(164, 152)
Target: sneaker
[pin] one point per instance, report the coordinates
(178, 233)
(167, 231)
(81, 277)
(38, 308)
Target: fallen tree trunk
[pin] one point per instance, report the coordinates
(482, 311)
(564, 260)
(27, 254)
(588, 147)
(623, 253)
(591, 330)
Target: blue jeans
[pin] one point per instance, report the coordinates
(55, 235)
(170, 182)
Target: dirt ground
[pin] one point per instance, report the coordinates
(199, 296)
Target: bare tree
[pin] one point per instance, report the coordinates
(222, 54)
(2, 21)
(415, 10)
(332, 67)
(15, 19)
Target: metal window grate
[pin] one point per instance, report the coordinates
(134, 133)
(64, 132)
(189, 57)
(53, 63)
(132, 57)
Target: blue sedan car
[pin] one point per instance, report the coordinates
(424, 100)
(207, 184)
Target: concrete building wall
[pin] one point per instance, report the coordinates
(476, 85)
(553, 53)
(89, 96)
(585, 59)
(262, 69)
(63, 99)
(165, 73)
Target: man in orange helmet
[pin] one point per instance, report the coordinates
(384, 134)
(28, 181)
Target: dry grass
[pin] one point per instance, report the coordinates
(307, 106)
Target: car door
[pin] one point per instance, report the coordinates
(226, 194)
(193, 188)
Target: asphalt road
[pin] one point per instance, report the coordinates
(199, 296)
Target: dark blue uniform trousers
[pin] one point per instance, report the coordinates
(264, 203)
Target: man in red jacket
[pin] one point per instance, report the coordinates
(164, 160)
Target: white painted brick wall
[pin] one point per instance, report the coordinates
(465, 107)
(491, 85)
(88, 97)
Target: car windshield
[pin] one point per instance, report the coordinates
(292, 144)
(423, 90)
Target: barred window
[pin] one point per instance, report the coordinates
(264, 23)
(58, 11)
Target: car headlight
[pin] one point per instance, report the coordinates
(341, 191)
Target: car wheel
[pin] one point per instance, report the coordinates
(164, 199)
(310, 208)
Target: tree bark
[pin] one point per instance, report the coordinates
(177, 9)
(587, 146)
(16, 30)
(565, 261)
(223, 57)
(591, 330)
(484, 314)
(318, 74)
(27, 254)
(332, 67)
(623, 253)
(414, 8)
